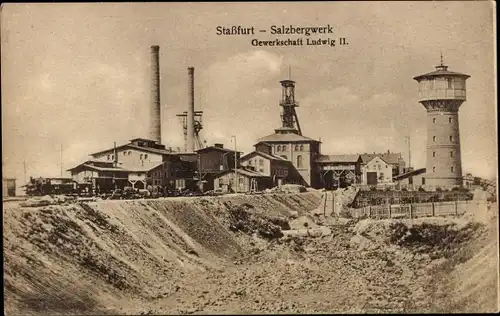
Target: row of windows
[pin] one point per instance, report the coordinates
(158, 174)
(284, 148)
(451, 169)
(299, 161)
(377, 167)
(449, 120)
(434, 138)
(280, 172)
(434, 154)
(261, 162)
(449, 81)
(128, 153)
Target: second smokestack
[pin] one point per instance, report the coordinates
(155, 110)
(190, 111)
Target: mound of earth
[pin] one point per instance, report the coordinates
(227, 255)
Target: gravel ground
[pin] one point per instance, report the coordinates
(227, 255)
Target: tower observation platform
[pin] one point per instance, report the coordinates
(442, 92)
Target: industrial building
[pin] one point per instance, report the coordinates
(283, 157)
(279, 169)
(248, 180)
(339, 171)
(212, 161)
(288, 142)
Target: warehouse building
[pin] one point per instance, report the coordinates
(279, 169)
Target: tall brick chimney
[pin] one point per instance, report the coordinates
(155, 107)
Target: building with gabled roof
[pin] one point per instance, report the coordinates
(339, 171)
(376, 172)
(395, 160)
(279, 169)
(248, 180)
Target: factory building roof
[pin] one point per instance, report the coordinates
(216, 148)
(289, 137)
(132, 146)
(390, 158)
(265, 155)
(338, 158)
(147, 166)
(89, 165)
(108, 166)
(374, 157)
(245, 172)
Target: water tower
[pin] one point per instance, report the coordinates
(442, 92)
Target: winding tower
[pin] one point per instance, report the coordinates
(289, 118)
(442, 92)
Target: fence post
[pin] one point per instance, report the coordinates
(390, 213)
(456, 208)
(324, 204)
(411, 211)
(370, 211)
(433, 211)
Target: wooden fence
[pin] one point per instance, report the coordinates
(415, 210)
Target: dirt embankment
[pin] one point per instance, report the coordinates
(91, 257)
(229, 255)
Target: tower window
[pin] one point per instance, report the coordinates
(451, 154)
(433, 138)
(449, 120)
(433, 154)
(299, 161)
(434, 120)
(284, 147)
(278, 148)
(433, 169)
(140, 157)
(296, 147)
(261, 162)
(112, 156)
(301, 147)
(452, 169)
(450, 83)
(108, 157)
(145, 156)
(451, 138)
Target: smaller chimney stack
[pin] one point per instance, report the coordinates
(190, 112)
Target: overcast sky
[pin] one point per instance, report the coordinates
(78, 75)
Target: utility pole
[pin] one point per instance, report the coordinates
(235, 165)
(24, 165)
(61, 160)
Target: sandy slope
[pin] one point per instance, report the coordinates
(224, 255)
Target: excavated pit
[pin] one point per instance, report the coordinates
(229, 255)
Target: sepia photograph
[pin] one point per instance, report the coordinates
(249, 158)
